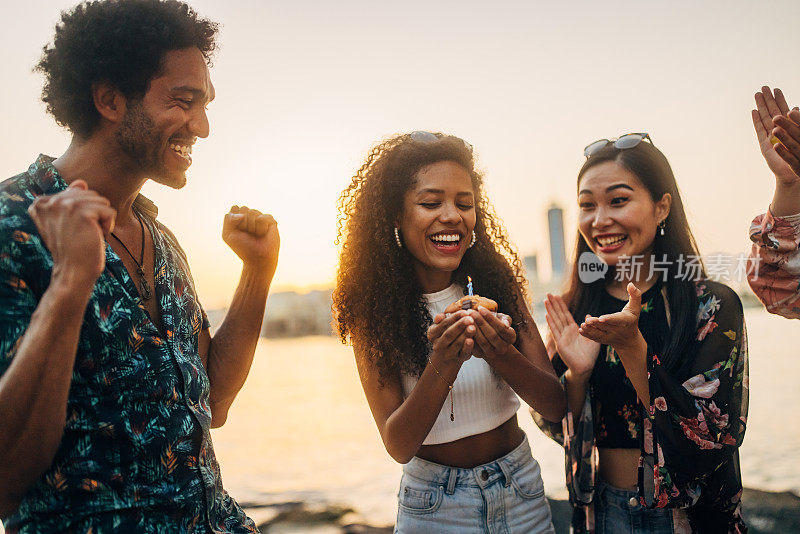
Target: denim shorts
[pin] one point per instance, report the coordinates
(504, 496)
(617, 511)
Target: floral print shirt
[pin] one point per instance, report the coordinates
(136, 453)
(691, 432)
(774, 275)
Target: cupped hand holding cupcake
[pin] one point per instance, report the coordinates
(493, 335)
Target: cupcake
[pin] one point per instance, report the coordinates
(471, 302)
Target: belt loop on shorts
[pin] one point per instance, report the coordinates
(506, 473)
(452, 475)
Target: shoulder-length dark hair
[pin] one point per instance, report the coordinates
(677, 245)
(377, 302)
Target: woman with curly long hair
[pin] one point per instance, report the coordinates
(442, 388)
(653, 355)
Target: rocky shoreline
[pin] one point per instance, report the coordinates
(765, 512)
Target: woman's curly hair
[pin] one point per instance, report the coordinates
(377, 302)
(117, 41)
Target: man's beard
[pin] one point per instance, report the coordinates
(137, 137)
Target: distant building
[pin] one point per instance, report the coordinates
(531, 268)
(291, 314)
(558, 250)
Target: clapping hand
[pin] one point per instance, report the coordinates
(778, 131)
(579, 353)
(618, 330)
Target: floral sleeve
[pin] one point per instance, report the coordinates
(576, 435)
(693, 428)
(774, 272)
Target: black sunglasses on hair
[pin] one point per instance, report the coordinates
(421, 136)
(622, 142)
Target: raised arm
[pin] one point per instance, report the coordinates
(578, 353)
(772, 272)
(254, 237)
(620, 330)
(574, 358)
(405, 423)
(39, 340)
(778, 132)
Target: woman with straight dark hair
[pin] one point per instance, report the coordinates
(414, 225)
(656, 373)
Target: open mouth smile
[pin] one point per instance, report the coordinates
(446, 241)
(610, 242)
(182, 149)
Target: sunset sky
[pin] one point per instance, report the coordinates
(304, 89)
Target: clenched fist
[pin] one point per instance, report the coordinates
(254, 237)
(73, 225)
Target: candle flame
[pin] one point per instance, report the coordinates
(469, 279)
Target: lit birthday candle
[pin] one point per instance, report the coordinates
(469, 285)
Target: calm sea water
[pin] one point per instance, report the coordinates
(301, 429)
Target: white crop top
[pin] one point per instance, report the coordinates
(482, 400)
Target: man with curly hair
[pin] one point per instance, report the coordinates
(109, 378)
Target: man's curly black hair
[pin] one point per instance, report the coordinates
(117, 41)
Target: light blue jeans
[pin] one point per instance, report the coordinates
(505, 496)
(617, 511)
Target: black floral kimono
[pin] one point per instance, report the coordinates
(690, 434)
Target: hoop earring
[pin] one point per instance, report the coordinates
(661, 226)
(397, 237)
(474, 238)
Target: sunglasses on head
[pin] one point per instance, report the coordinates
(622, 142)
(421, 136)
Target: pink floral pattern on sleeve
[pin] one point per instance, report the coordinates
(774, 273)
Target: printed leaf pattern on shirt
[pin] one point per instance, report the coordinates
(138, 413)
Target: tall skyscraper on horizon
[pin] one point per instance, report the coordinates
(558, 251)
(531, 267)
